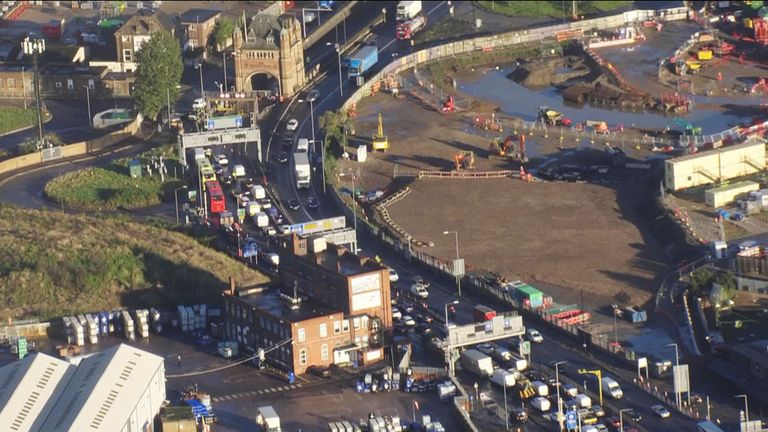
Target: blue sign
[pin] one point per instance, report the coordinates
(291, 377)
(571, 420)
(250, 249)
(239, 121)
(210, 124)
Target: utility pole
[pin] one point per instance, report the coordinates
(38, 108)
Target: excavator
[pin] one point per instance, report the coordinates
(688, 128)
(464, 160)
(507, 149)
(449, 105)
(379, 141)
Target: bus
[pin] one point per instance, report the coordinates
(217, 203)
(206, 170)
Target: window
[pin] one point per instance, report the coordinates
(345, 326)
(303, 356)
(193, 26)
(364, 321)
(58, 84)
(302, 335)
(127, 55)
(336, 327)
(323, 330)
(324, 351)
(11, 83)
(70, 84)
(356, 323)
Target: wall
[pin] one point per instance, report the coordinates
(709, 167)
(313, 343)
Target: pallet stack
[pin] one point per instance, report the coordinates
(91, 326)
(128, 326)
(74, 331)
(142, 323)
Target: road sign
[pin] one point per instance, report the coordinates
(319, 225)
(571, 420)
(250, 249)
(241, 214)
(458, 267)
(680, 378)
(525, 347)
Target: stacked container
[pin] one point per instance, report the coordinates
(128, 327)
(142, 322)
(92, 328)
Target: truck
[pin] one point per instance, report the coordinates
(407, 10)
(406, 29)
(301, 164)
(477, 363)
(362, 60)
(483, 313)
(612, 387)
(518, 362)
(503, 378)
(268, 419)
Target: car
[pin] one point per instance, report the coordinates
(423, 329)
(269, 231)
(321, 371)
(312, 203)
(284, 229)
(597, 410)
(292, 125)
(696, 399)
(218, 169)
(418, 280)
(407, 307)
(422, 318)
(486, 349)
(629, 429)
(227, 180)
(408, 320)
(282, 157)
(614, 421)
(419, 291)
(393, 276)
(396, 314)
(248, 183)
(222, 159)
(265, 203)
(533, 335)
(293, 204)
(518, 414)
(660, 411)
(601, 427)
(198, 104)
(632, 414)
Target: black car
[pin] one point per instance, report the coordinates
(282, 157)
(634, 415)
(248, 183)
(321, 371)
(422, 318)
(423, 329)
(218, 169)
(518, 414)
(227, 180)
(293, 204)
(312, 203)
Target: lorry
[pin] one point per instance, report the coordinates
(406, 29)
(503, 378)
(540, 388)
(477, 363)
(483, 313)
(301, 165)
(407, 10)
(517, 361)
(612, 387)
(362, 60)
(268, 419)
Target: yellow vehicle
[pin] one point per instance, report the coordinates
(379, 141)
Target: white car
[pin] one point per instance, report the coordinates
(222, 160)
(396, 314)
(408, 320)
(292, 125)
(660, 411)
(534, 336)
(419, 291)
(393, 276)
(198, 104)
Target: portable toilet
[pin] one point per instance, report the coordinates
(720, 249)
(134, 168)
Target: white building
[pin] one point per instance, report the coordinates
(117, 390)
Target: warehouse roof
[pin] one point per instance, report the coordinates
(103, 390)
(732, 186)
(30, 387)
(726, 149)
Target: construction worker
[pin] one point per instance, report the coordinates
(178, 359)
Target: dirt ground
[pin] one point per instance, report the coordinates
(580, 241)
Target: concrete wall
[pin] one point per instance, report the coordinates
(21, 162)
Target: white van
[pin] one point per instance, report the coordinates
(541, 403)
(198, 104)
(540, 388)
(302, 146)
(611, 387)
(258, 192)
(238, 171)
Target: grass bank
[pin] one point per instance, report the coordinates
(552, 9)
(446, 30)
(113, 187)
(53, 263)
(12, 118)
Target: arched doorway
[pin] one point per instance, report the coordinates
(264, 83)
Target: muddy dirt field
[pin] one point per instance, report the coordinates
(570, 236)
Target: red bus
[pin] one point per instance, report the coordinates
(217, 203)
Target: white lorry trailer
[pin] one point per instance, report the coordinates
(301, 165)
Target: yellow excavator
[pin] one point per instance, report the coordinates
(379, 141)
(464, 161)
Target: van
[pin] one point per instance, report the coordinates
(540, 388)
(541, 403)
(258, 192)
(611, 387)
(302, 146)
(198, 104)
(238, 171)
(288, 139)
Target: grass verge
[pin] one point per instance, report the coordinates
(445, 30)
(52, 264)
(12, 118)
(553, 9)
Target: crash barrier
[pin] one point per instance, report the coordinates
(466, 174)
(73, 149)
(461, 403)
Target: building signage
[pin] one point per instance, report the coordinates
(368, 282)
(319, 225)
(366, 300)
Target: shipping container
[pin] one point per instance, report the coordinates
(529, 296)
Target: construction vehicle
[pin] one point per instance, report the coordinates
(688, 128)
(526, 390)
(405, 30)
(379, 141)
(449, 105)
(506, 149)
(464, 160)
(553, 118)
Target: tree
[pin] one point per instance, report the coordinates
(701, 280)
(222, 33)
(335, 124)
(727, 281)
(158, 73)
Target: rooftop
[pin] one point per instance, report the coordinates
(732, 186)
(726, 149)
(199, 15)
(271, 301)
(263, 33)
(757, 350)
(343, 261)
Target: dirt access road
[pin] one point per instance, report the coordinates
(570, 236)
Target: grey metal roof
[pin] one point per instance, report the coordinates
(263, 33)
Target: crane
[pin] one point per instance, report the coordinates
(379, 141)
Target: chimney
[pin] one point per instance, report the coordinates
(232, 286)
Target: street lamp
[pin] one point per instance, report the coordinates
(24, 88)
(455, 302)
(88, 98)
(176, 196)
(199, 66)
(621, 417)
(458, 278)
(477, 394)
(338, 54)
(557, 386)
(677, 363)
(746, 407)
(384, 12)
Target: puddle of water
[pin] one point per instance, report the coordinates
(653, 342)
(519, 101)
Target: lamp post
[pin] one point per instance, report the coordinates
(506, 410)
(224, 60)
(477, 393)
(88, 99)
(176, 196)
(338, 54)
(746, 407)
(23, 88)
(199, 66)
(621, 418)
(458, 278)
(455, 302)
(559, 401)
(677, 363)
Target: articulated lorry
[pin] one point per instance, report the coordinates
(407, 29)
(362, 60)
(408, 10)
(477, 363)
(301, 164)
